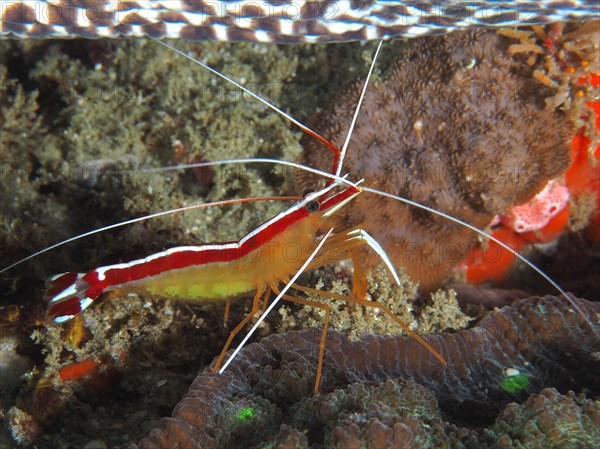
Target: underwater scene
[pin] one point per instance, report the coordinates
(438, 335)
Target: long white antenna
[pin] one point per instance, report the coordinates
(356, 111)
(276, 300)
(244, 161)
(244, 89)
(125, 223)
(483, 233)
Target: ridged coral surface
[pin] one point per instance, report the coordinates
(541, 341)
(460, 126)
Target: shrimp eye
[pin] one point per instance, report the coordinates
(312, 206)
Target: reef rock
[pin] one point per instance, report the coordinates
(265, 398)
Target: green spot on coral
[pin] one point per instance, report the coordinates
(245, 414)
(512, 384)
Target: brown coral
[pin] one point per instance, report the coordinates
(459, 126)
(540, 338)
(548, 420)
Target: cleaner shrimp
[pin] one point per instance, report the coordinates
(180, 153)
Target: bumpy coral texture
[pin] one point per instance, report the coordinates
(538, 212)
(546, 421)
(542, 338)
(458, 126)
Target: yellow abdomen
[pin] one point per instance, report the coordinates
(275, 260)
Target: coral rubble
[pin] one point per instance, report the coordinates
(459, 126)
(537, 343)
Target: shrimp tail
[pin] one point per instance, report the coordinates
(68, 294)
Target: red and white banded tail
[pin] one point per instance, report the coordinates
(69, 294)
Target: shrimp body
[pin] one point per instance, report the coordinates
(209, 272)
